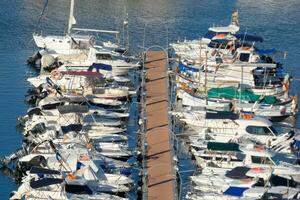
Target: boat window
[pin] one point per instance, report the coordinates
(278, 158)
(244, 57)
(261, 160)
(258, 130)
(100, 56)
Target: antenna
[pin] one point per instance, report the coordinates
(72, 19)
(125, 25)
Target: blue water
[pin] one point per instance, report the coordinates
(166, 21)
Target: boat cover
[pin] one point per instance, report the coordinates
(45, 182)
(235, 191)
(99, 66)
(221, 146)
(249, 38)
(183, 68)
(71, 127)
(234, 93)
(74, 99)
(78, 189)
(88, 73)
(34, 111)
(40, 170)
(238, 173)
(72, 109)
(221, 115)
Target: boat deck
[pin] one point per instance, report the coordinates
(161, 178)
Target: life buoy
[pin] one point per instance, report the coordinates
(247, 116)
(56, 74)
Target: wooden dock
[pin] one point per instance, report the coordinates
(161, 176)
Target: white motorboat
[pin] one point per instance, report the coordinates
(282, 165)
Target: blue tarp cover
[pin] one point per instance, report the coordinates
(235, 191)
(265, 51)
(183, 68)
(99, 66)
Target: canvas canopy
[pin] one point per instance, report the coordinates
(234, 93)
(235, 191)
(248, 37)
(183, 68)
(45, 182)
(238, 173)
(220, 146)
(40, 170)
(72, 108)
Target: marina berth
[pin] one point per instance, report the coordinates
(79, 142)
(202, 119)
(233, 106)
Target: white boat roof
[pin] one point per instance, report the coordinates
(255, 121)
(226, 29)
(256, 152)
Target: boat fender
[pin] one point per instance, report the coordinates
(282, 109)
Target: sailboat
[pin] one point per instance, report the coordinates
(69, 43)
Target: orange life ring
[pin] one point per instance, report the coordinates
(56, 74)
(247, 116)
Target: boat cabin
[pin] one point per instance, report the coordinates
(245, 55)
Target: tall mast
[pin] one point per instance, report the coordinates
(71, 17)
(205, 80)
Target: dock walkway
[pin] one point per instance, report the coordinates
(161, 177)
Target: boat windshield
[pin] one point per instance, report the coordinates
(278, 158)
(244, 57)
(273, 130)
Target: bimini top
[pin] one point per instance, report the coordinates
(249, 38)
